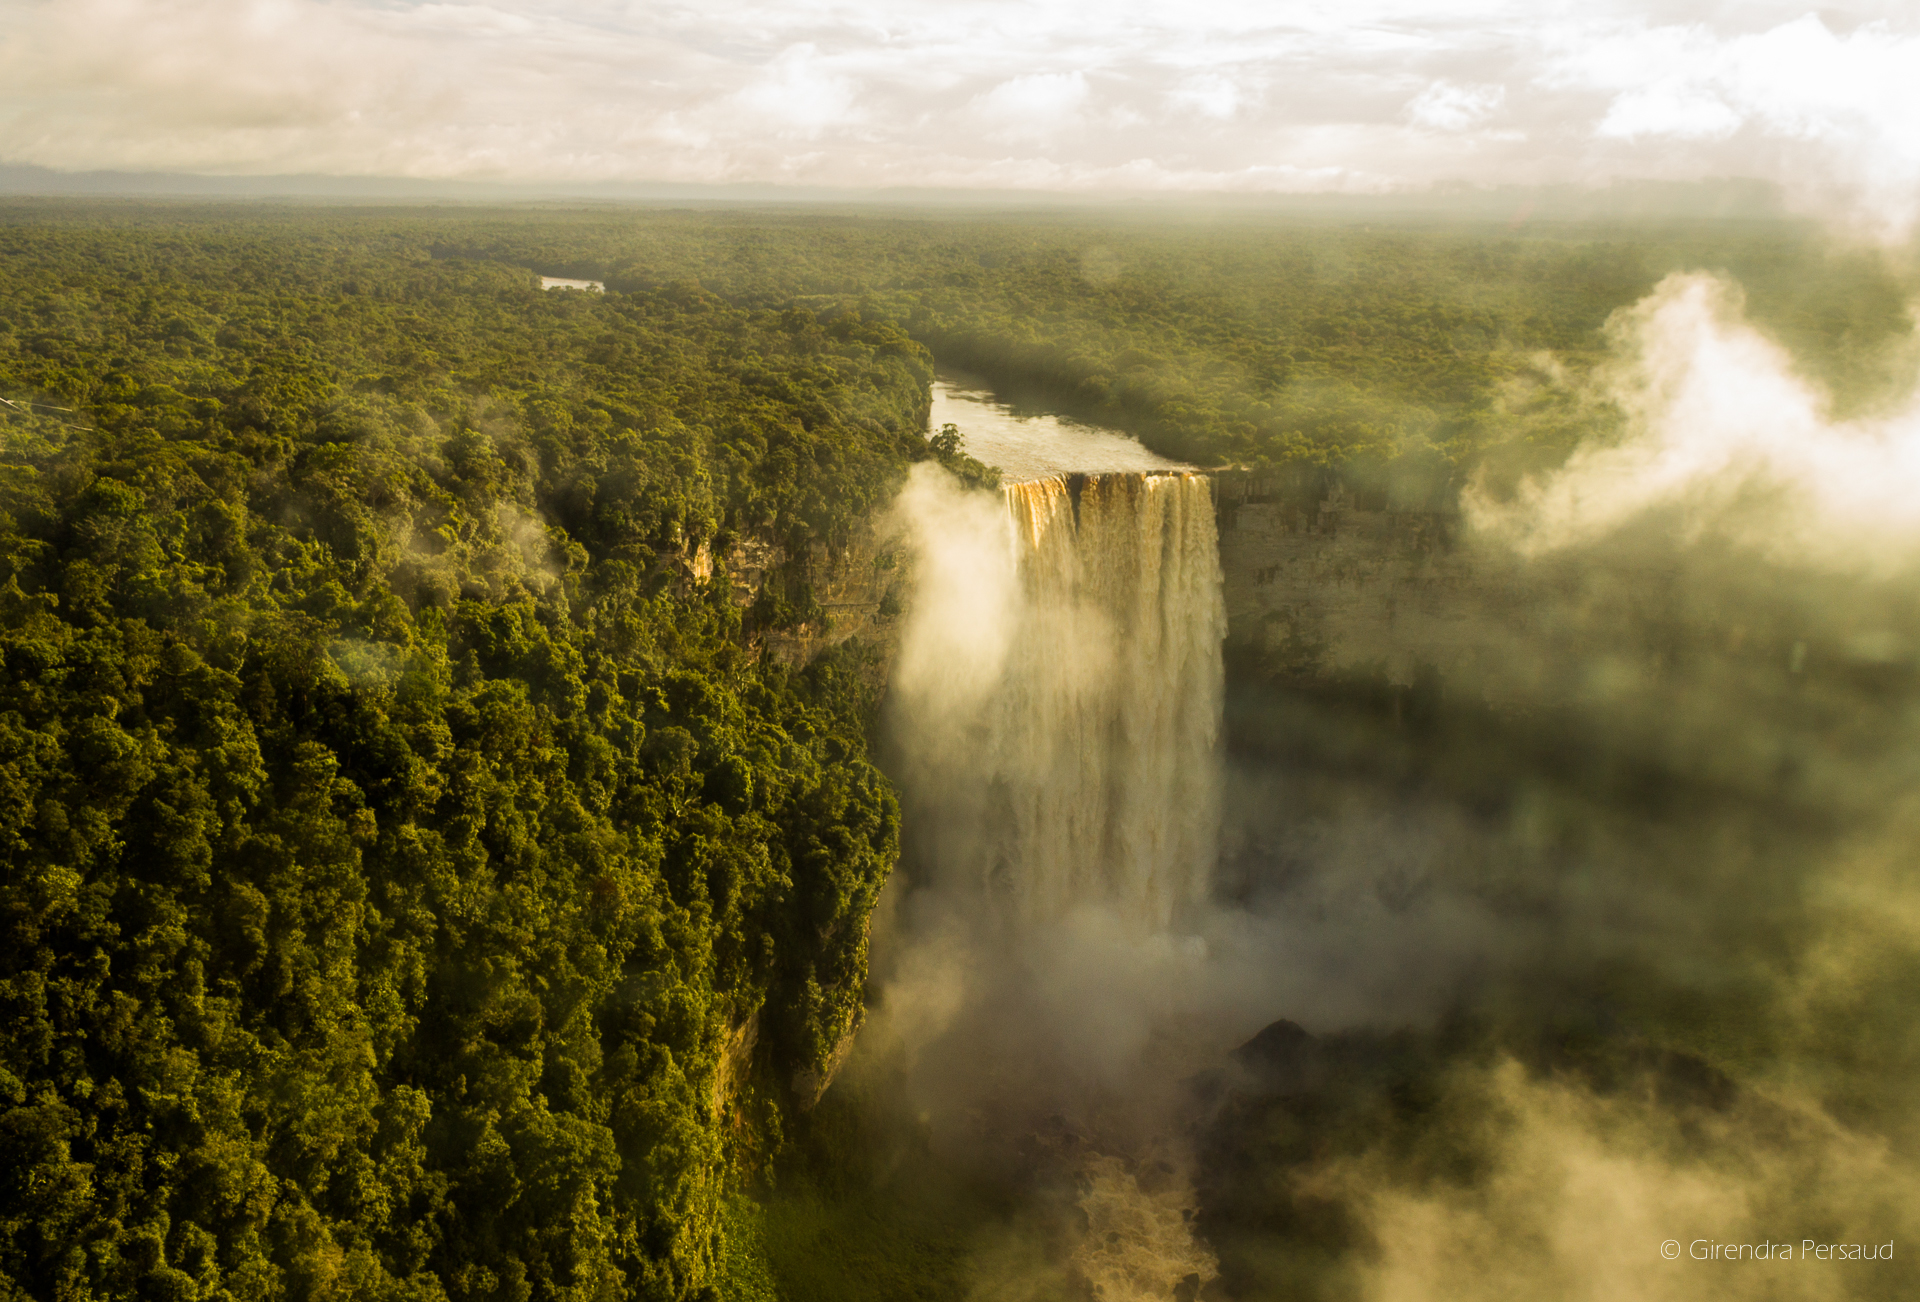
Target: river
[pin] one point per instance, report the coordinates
(1027, 443)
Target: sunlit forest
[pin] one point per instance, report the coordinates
(429, 873)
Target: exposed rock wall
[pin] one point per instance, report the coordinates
(857, 589)
(851, 591)
(1323, 586)
(1318, 584)
(851, 583)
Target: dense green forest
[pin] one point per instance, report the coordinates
(1262, 342)
(420, 883)
(394, 836)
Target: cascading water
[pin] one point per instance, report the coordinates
(1099, 747)
(1062, 687)
(1056, 709)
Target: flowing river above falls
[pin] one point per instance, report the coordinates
(1027, 443)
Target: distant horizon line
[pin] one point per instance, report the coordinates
(1615, 197)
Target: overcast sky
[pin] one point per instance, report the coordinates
(1201, 95)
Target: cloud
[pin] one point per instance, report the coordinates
(1033, 107)
(1446, 107)
(1210, 95)
(1809, 104)
(1216, 95)
(1669, 109)
(798, 95)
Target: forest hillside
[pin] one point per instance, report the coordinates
(405, 862)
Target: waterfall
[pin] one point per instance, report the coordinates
(1068, 752)
(1055, 713)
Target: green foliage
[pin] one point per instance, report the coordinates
(745, 1275)
(394, 832)
(949, 447)
(1267, 342)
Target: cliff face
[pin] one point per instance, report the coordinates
(799, 602)
(1326, 588)
(1318, 585)
(851, 585)
(825, 594)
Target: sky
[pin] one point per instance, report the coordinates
(1363, 96)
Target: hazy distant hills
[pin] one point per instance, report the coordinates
(1721, 198)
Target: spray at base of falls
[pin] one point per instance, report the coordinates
(1059, 696)
(1055, 714)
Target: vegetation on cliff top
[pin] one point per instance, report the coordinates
(393, 837)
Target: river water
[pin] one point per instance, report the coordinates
(1028, 444)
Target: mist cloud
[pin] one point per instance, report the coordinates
(1583, 1189)
(1724, 438)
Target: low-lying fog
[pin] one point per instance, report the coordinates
(1565, 985)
